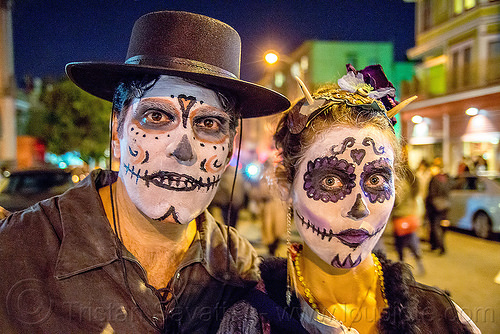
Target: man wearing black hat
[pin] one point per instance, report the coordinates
(137, 251)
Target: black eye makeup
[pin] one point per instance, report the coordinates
(376, 180)
(156, 115)
(329, 179)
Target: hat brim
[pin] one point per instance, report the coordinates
(101, 79)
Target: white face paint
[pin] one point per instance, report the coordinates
(173, 150)
(343, 194)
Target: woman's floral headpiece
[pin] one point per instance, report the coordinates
(368, 89)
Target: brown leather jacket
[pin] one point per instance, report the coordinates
(60, 272)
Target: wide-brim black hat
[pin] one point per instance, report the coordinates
(186, 45)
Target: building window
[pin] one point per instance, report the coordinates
(493, 73)
(461, 74)
(454, 70)
(426, 15)
(459, 6)
(467, 67)
(468, 4)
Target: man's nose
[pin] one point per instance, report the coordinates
(358, 210)
(184, 153)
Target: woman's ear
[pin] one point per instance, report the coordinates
(284, 187)
(285, 191)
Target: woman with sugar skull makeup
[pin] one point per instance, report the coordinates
(339, 170)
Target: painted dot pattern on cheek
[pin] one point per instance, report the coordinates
(321, 172)
(376, 180)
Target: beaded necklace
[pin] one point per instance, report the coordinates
(312, 300)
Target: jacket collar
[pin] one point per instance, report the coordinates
(88, 242)
(242, 267)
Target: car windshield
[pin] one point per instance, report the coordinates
(35, 182)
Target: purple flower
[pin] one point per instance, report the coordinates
(374, 76)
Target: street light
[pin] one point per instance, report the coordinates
(417, 119)
(271, 57)
(472, 111)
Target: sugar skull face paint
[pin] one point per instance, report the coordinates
(173, 150)
(343, 194)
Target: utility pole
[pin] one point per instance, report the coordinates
(8, 133)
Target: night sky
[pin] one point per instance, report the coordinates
(50, 33)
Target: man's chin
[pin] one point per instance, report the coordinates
(174, 217)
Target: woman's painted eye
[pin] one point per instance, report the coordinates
(331, 183)
(375, 181)
(329, 179)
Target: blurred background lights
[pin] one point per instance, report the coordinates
(252, 171)
(472, 111)
(417, 119)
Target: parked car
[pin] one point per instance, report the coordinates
(475, 205)
(23, 188)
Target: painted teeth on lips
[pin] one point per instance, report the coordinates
(180, 182)
(353, 237)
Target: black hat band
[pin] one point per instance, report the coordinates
(182, 64)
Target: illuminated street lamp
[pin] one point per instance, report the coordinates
(417, 119)
(472, 111)
(271, 57)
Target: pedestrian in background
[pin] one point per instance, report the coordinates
(273, 211)
(230, 207)
(406, 218)
(423, 175)
(463, 166)
(437, 205)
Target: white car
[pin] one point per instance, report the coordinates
(475, 205)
